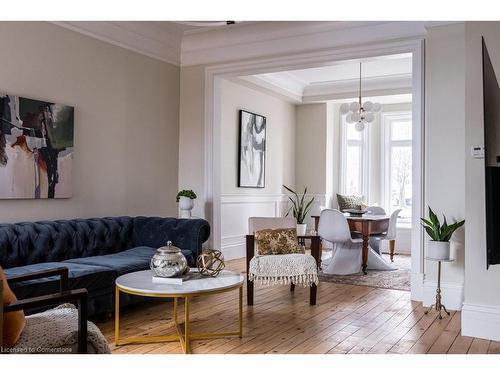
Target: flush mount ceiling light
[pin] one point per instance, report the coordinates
(359, 112)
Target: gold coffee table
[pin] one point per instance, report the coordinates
(140, 284)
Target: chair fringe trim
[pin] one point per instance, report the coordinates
(302, 280)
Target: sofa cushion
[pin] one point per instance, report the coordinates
(93, 278)
(136, 259)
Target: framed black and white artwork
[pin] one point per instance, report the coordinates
(252, 150)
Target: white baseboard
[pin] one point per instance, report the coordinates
(417, 286)
(481, 321)
(452, 294)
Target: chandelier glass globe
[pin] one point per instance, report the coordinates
(358, 112)
(360, 126)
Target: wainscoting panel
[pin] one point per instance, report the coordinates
(237, 208)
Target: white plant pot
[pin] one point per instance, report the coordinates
(438, 250)
(301, 229)
(185, 206)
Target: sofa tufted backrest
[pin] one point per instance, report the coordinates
(53, 241)
(187, 234)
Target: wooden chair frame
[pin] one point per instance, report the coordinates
(77, 295)
(315, 252)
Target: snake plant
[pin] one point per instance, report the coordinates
(436, 230)
(299, 207)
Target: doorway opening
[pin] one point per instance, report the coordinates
(379, 170)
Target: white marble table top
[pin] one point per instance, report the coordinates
(141, 282)
(367, 217)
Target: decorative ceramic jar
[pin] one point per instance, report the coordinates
(168, 261)
(185, 206)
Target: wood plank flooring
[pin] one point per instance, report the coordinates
(347, 319)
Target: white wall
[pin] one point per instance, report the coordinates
(481, 312)
(126, 120)
(280, 138)
(444, 151)
(238, 204)
(314, 154)
(311, 141)
(192, 136)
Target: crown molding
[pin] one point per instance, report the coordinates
(389, 82)
(267, 39)
(291, 91)
(154, 39)
(259, 84)
(168, 42)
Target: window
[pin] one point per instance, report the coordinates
(354, 160)
(397, 156)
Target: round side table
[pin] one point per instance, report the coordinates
(438, 305)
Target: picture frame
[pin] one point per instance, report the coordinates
(252, 150)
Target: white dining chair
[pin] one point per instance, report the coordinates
(375, 210)
(389, 235)
(347, 250)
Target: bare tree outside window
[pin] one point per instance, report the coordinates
(402, 175)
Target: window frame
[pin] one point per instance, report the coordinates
(386, 121)
(364, 144)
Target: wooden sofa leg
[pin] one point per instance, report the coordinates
(292, 287)
(249, 292)
(312, 295)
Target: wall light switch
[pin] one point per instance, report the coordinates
(477, 152)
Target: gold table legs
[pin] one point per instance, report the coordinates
(438, 305)
(185, 337)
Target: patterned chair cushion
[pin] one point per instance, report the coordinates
(277, 241)
(349, 202)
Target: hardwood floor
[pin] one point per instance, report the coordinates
(347, 319)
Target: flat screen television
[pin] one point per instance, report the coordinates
(491, 103)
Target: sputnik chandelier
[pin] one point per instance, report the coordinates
(358, 112)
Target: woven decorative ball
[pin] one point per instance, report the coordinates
(210, 262)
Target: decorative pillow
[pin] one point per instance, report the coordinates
(13, 322)
(349, 202)
(277, 241)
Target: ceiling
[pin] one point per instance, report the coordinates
(380, 75)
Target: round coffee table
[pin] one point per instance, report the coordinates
(141, 284)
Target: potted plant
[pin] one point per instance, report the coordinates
(300, 209)
(440, 234)
(185, 198)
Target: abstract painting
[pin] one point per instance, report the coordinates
(252, 159)
(36, 148)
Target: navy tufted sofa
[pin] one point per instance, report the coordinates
(96, 252)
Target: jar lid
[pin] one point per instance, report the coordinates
(169, 248)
